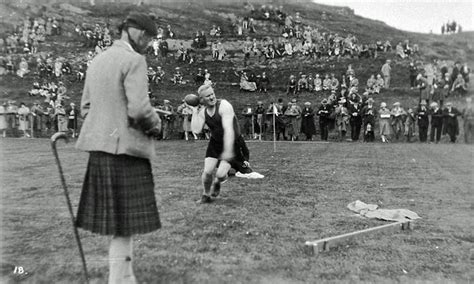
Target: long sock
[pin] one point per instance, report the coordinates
(120, 261)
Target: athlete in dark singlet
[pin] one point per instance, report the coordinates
(219, 116)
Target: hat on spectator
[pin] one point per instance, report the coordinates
(140, 21)
(259, 103)
(293, 100)
(423, 102)
(434, 104)
(396, 104)
(307, 103)
(383, 104)
(166, 101)
(324, 101)
(449, 104)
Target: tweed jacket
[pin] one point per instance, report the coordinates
(115, 104)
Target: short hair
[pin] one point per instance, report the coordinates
(204, 90)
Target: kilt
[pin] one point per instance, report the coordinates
(118, 196)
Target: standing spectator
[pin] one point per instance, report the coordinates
(451, 125)
(423, 121)
(61, 117)
(293, 112)
(167, 119)
(355, 112)
(441, 90)
(324, 113)
(37, 123)
(342, 119)
(307, 121)
(409, 124)
(468, 117)
(260, 126)
(436, 122)
(248, 125)
(72, 113)
(386, 71)
(23, 116)
(384, 123)
(413, 71)
(423, 86)
(369, 113)
(185, 111)
(398, 116)
(3, 119)
(118, 193)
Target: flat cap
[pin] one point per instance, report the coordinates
(143, 22)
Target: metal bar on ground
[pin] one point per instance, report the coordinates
(314, 247)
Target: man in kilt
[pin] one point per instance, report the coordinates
(219, 116)
(118, 196)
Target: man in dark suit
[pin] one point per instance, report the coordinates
(355, 111)
(369, 113)
(324, 113)
(423, 121)
(451, 125)
(436, 122)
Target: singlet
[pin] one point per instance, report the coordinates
(215, 125)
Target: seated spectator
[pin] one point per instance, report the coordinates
(326, 82)
(353, 83)
(292, 85)
(177, 77)
(264, 83)
(220, 51)
(400, 51)
(22, 68)
(303, 84)
(199, 77)
(459, 86)
(245, 84)
(379, 84)
(207, 78)
(213, 31)
(334, 82)
(318, 84)
(371, 82)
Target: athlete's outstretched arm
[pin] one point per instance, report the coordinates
(227, 113)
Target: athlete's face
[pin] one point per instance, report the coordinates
(209, 99)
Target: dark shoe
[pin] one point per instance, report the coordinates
(216, 189)
(204, 199)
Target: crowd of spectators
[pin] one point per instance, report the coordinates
(450, 27)
(435, 82)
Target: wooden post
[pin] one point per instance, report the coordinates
(315, 247)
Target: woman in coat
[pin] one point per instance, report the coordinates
(307, 121)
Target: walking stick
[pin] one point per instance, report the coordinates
(54, 138)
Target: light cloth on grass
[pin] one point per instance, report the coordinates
(252, 175)
(371, 211)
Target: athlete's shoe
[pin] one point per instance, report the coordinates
(204, 199)
(216, 189)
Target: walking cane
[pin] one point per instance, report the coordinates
(54, 138)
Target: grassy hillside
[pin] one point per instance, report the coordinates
(187, 18)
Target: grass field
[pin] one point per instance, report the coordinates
(255, 232)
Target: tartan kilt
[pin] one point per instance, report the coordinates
(118, 196)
